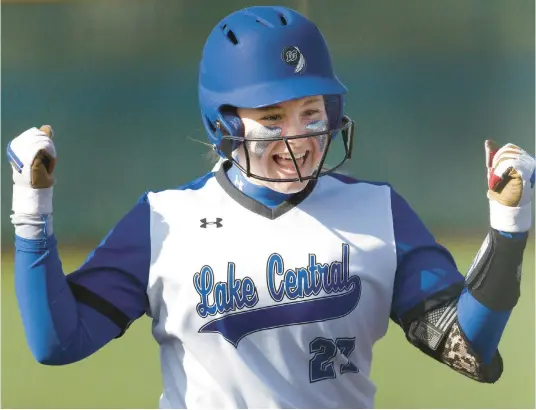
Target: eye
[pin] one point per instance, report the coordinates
(272, 117)
(310, 113)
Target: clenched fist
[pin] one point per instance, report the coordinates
(32, 156)
(510, 186)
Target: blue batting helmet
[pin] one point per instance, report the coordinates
(260, 56)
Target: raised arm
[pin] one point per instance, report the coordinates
(67, 318)
(460, 321)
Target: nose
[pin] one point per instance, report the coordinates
(294, 126)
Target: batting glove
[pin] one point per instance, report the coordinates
(32, 156)
(510, 187)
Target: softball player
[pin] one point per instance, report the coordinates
(270, 278)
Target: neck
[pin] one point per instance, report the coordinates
(262, 194)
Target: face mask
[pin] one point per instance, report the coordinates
(271, 134)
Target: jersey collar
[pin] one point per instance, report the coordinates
(254, 205)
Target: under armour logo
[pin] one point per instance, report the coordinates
(217, 222)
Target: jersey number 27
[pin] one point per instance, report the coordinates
(321, 366)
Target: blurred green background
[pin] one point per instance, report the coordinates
(428, 81)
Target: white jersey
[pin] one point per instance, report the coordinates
(261, 308)
(266, 307)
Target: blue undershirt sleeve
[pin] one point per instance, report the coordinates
(69, 317)
(482, 326)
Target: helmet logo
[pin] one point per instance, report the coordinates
(293, 56)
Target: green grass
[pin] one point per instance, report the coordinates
(126, 374)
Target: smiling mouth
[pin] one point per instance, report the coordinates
(285, 163)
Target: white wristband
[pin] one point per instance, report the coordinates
(510, 219)
(32, 226)
(27, 200)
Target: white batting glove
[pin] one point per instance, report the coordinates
(32, 156)
(510, 187)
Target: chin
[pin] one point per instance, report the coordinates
(288, 187)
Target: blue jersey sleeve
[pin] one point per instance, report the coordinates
(68, 317)
(426, 274)
(117, 271)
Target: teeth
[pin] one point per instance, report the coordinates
(288, 156)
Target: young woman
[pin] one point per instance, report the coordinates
(270, 279)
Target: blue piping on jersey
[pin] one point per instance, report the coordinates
(196, 183)
(347, 179)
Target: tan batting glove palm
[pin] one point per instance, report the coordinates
(32, 156)
(511, 180)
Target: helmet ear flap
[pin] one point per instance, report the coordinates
(229, 124)
(334, 110)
